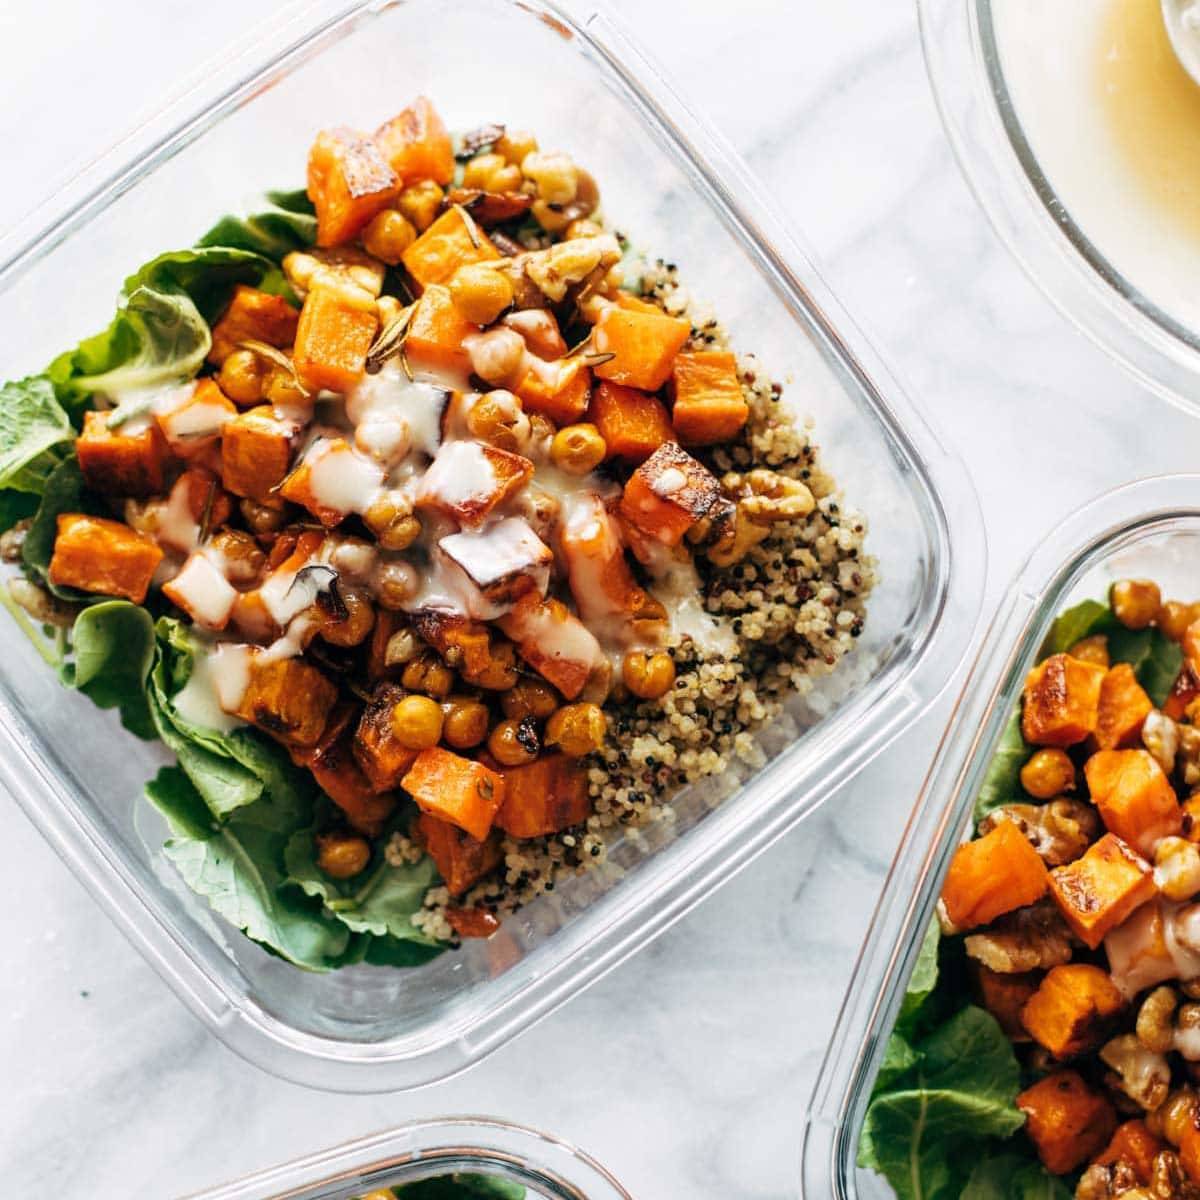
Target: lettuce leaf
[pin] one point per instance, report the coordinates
(277, 224)
(1011, 1177)
(113, 643)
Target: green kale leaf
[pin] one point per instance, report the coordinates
(113, 643)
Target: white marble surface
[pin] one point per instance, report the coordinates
(688, 1069)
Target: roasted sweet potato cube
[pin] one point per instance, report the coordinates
(383, 759)
(459, 640)
(387, 623)
(553, 641)
(191, 424)
(1098, 891)
(349, 181)
(597, 570)
(468, 480)
(256, 450)
(288, 698)
(416, 144)
(452, 241)
(1122, 710)
(544, 797)
(504, 561)
(643, 344)
(1062, 700)
(1137, 950)
(633, 424)
(253, 316)
(1134, 1145)
(252, 618)
(203, 592)
(332, 481)
(1072, 1009)
(117, 462)
(709, 406)
(1134, 796)
(435, 334)
(102, 556)
(197, 499)
(337, 327)
(1184, 690)
(455, 789)
(1066, 1120)
(1004, 996)
(991, 876)
(475, 922)
(461, 860)
(342, 779)
(557, 391)
(668, 494)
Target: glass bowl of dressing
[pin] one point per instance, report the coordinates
(1076, 126)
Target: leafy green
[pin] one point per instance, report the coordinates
(34, 434)
(462, 1185)
(1076, 623)
(1013, 1177)
(114, 649)
(1002, 782)
(64, 492)
(393, 952)
(1155, 659)
(922, 981)
(276, 225)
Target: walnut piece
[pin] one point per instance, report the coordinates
(1059, 831)
(1031, 939)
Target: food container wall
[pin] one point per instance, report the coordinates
(580, 83)
(1149, 529)
(548, 1168)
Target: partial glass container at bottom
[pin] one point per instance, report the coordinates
(1148, 529)
(509, 1157)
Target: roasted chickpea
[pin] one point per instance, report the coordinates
(555, 176)
(417, 722)
(501, 672)
(387, 235)
(242, 377)
(648, 676)
(578, 449)
(530, 698)
(262, 518)
(1174, 618)
(241, 554)
(353, 628)
(395, 584)
(514, 743)
(498, 419)
(428, 674)
(582, 227)
(480, 292)
(342, 855)
(1135, 602)
(390, 518)
(1092, 649)
(498, 356)
(282, 389)
(491, 173)
(1047, 774)
(577, 729)
(465, 722)
(515, 146)
(420, 203)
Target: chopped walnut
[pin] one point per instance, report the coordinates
(338, 267)
(766, 496)
(1101, 1182)
(40, 604)
(1188, 755)
(1156, 1020)
(1143, 1075)
(1034, 938)
(1059, 831)
(740, 537)
(565, 263)
(1160, 735)
(1168, 1181)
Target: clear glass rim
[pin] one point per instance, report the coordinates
(1027, 214)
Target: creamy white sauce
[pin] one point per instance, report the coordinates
(175, 526)
(215, 688)
(391, 401)
(461, 473)
(203, 591)
(342, 479)
(500, 551)
(195, 421)
(445, 587)
(677, 588)
(282, 600)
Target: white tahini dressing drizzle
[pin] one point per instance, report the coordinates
(341, 478)
(460, 473)
(218, 682)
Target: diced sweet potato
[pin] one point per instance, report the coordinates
(337, 327)
(452, 241)
(332, 481)
(1122, 710)
(416, 144)
(558, 391)
(504, 560)
(643, 344)
(256, 450)
(544, 797)
(467, 480)
(252, 619)
(709, 406)
(192, 424)
(1137, 950)
(1071, 1010)
(1066, 1120)
(102, 556)
(455, 789)
(253, 316)
(1062, 700)
(633, 424)
(1098, 891)
(1004, 996)
(1184, 690)
(1134, 796)
(991, 876)
(119, 463)
(289, 698)
(436, 331)
(349, 181)
(461, 860)
(476, 922)
(459, 640)
(203, 592)
(342, 779)
(382, 758)
(601, 581)
(553, 641)
(1134, 1145)
(386, 624)
(668, 494)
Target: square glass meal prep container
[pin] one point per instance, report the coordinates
(1148, 529)
(582, 85)
(547, 1167)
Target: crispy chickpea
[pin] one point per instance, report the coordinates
(420, 203)
(242, 377)
(359, 620)
(577, 729)
(582, 227)
(281, 388)
(395, 584)
(1047, 774)
(555, 176)
(342, 855)
(241, 555)
(578, 449)
(501, 672)
(1135, 602)
(428, 674)
(387, 235)
(515, 146)
(1092, 649)
(498, 356)
(530, 698)
(648, 676)
(262, 518)
(464, 723)
(417, 722)
(480, 293)
(498, 419)
(390, 518)
(1174, 618)
(491, 173)
(514, 743)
